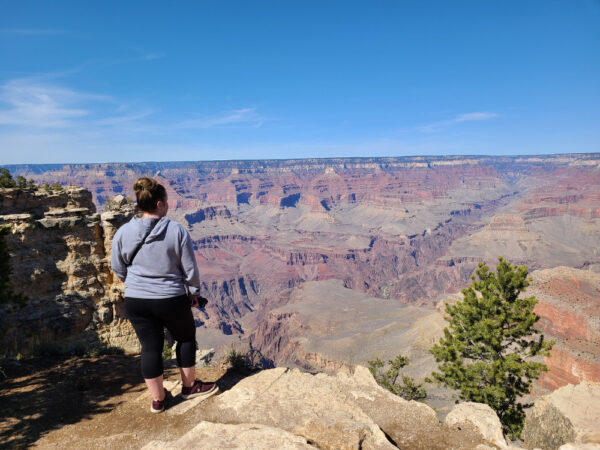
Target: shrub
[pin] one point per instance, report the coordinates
(166, 351)
(21, 182)
(407, 388)
(6, 179)
(235, 359)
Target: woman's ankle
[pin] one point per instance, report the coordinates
(188, 376)
(161, 398)
(188, 384)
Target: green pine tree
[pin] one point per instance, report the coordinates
(6, 179)
(21, 182)
(487, 349)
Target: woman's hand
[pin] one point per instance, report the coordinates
(197, 301)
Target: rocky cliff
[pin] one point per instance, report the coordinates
(59, 246)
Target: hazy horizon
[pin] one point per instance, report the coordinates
(550, 155)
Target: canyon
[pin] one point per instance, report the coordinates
(325, 263)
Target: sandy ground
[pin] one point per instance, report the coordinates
(89, 403)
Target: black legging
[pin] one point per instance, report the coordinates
(149, 317)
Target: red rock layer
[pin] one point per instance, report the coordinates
(569, 310)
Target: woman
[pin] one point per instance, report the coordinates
(155, 258)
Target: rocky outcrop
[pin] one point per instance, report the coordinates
(570, 414)
(482, 417)
(346, 410)
(58, 252)
(209, 213)
(110, 324)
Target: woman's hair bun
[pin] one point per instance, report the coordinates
(148, 192)
(144, 184)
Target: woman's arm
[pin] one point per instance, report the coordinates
(117, 263)
(191, 274)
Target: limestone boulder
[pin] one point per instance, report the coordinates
(570, 414)
(300, 403)
(347, 410)
(482, 417)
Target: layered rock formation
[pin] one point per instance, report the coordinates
(404, 230)
(58, 256)
(569, 308)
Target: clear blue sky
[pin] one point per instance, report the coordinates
(104, 81)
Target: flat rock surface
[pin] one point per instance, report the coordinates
(345, 410)
(242, 437)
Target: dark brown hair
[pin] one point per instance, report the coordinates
(148, 192)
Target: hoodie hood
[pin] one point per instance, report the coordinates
(137, 228)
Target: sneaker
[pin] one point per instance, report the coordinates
(158, 406)
(199, 389)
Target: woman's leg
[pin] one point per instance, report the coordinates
(155, 386)
(149, 331)
(180, 322)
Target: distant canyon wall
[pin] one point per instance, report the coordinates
(405, 231)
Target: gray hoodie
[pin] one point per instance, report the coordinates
(164, 266)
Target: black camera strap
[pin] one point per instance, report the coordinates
(137, 249)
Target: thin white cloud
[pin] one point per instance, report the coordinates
(43, 121)
(34, 104)
(467, 117)
(475, 116)
(236, 117)
(152, 56)
(116, 120)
